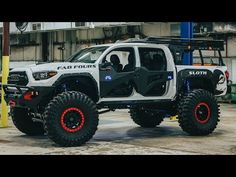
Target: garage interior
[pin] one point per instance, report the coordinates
(51, 42)
(57, 41)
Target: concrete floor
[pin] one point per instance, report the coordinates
(117, 134)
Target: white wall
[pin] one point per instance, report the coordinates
(150, 29)
(88, 34)
(231, 46)
(104, 24)
(56, 25)
(233, 74)
(25, 53)
(44, 26)
(67, 25)
(21, 64)
(156, 29)
(232, 60)
(228, 63)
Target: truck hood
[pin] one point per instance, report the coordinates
(61, 66)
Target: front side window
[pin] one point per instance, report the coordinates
(121, 59)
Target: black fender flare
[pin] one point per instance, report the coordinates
(64, 77)
(186, 74)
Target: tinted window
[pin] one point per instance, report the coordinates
(122, 59)
(153, 59)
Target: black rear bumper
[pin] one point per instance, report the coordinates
(23, 96)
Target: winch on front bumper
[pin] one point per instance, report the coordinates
(23, 96)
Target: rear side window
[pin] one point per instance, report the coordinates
(153, 59)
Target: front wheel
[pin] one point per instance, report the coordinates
(198, 112)
(23, 121)
(71, 119)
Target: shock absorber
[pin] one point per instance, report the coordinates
(187, 85)
(64, 88)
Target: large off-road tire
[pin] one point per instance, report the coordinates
(146, 118)
(198, 112)
(71, 119)
(23, 122)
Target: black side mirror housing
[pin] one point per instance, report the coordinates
(106, 66)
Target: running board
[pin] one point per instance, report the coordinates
(105, 111)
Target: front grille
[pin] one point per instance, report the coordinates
(18, 78)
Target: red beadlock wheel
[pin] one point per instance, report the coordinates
(202, 113)
(198, 112)
(72, 119)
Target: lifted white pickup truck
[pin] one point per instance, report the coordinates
(145, 76)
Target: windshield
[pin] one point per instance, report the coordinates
(87, 55)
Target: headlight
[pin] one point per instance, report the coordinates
(44, 75)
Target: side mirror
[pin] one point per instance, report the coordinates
(106, 66)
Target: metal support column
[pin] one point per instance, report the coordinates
(5, 71)
(187, 32)
(0, 53)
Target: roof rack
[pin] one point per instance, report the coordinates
(185, 43)
(127, 40)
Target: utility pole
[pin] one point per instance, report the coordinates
(5, 71)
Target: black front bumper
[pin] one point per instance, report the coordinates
(28, 97)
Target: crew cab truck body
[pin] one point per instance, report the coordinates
(64, 99)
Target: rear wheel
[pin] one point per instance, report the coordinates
(146, 118)
(198, 112)
(23, 122)
(71, 119)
